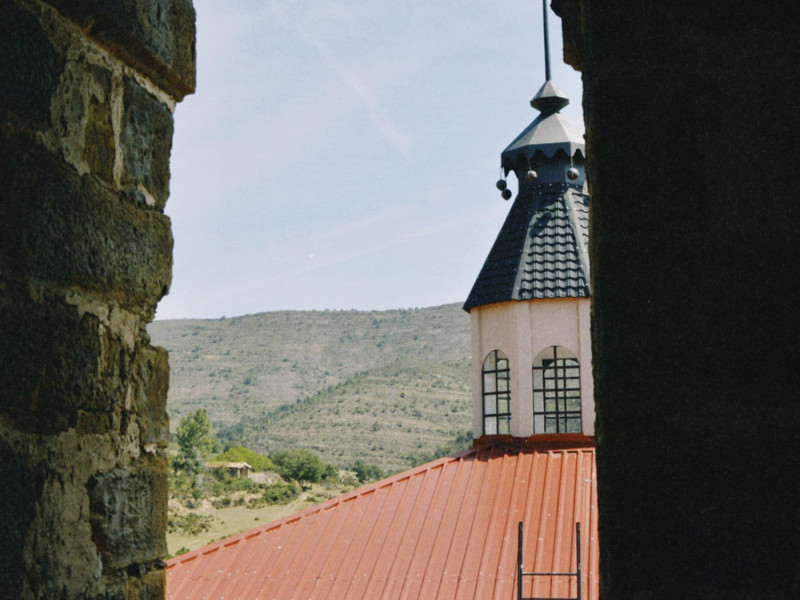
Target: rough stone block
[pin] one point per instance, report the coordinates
(146, 141)
(156, 37)
(62, 228)
(62, 369)
(151, 407)
(81, 117)
(21, 488)
(49, 364)
(99, 139)
(29, 65)
(129, 515)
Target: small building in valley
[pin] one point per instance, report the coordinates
(236, 469)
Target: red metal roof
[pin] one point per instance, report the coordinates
(446, 529)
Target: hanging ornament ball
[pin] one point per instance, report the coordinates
(531, 176)
(506, 194)
(501, 184)
(572, 174)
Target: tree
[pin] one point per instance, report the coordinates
(302, 466)
(194, 438)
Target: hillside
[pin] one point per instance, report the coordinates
(375, 385)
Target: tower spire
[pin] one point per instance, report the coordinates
(549, 98)
(546, 44)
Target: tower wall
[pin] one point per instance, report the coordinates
(523, 329)
(86, 99)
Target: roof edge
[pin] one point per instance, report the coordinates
(366, 489)
(538, 442)
(469, 305)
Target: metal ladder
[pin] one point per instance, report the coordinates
(576, 574)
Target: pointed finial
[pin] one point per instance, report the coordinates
(549, 99)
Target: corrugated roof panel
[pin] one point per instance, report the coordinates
(375, 542)
(459, 542)
(447, 529)
(491, 498)
(301, 566)
(385, 572)
(429, 531)
(459, 472)
(403, 552)
(354, 570)
(492, 568)
(336, 574)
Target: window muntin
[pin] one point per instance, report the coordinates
(556, 392)
(496, 377)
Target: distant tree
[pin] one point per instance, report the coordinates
(302, 466)
(194, 439)
(366, 472)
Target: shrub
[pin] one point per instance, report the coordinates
(277, 493)
(348, 480)
(280, 493)
(302, 466)
(366, 472)
(221, 502)
(191, 523)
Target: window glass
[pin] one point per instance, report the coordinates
(504, 425)
(556, 392)
(496, 378)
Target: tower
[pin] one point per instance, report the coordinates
(530, 307)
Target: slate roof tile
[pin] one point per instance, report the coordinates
(538, 251)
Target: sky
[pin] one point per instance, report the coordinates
(343, 155)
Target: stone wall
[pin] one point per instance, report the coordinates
(87, 91)
(691, 113)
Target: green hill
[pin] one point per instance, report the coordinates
(374, 385)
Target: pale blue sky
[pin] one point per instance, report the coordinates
(343, 154)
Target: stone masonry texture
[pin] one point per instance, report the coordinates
(691, 115)
(87, 92)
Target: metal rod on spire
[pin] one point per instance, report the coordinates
(546, 44)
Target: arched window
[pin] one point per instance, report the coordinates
(556, 392)
(496, 394)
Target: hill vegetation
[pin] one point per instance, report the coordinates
(388, 388)
(209, 500)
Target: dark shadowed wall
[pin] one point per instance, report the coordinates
(87, 90)
(692, 132)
